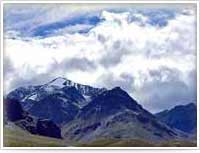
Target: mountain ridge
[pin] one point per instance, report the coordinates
(114, 114)
(85, 113)
(65, 95)
(182, 117)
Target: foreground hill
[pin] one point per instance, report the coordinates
(17, 137)
(136, 143)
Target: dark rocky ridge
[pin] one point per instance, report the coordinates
(17, 115)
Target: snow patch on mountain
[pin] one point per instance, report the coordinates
(87, 98)
(49, 89)
(33, 97)
(58, 82)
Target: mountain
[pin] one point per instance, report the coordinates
(114, 114)
(84, 113)
(182, 117)
(58, 100)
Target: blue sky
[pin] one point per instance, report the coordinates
(139, 48)
(34, 21)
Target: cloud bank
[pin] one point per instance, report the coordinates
(150, 53)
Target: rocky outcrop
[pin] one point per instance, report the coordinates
(48, 128)
(13, 110)
(15, 113)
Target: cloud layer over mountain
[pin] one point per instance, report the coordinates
(151, 53)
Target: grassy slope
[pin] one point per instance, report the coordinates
(136, 143)
(117, 143)
(20, 138)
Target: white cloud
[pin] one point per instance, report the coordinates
(131, 48)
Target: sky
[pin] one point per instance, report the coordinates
(148, 50)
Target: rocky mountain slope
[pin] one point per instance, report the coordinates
(114, 114)
(182, 117)
(58, 100)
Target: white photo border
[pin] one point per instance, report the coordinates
(196, 2)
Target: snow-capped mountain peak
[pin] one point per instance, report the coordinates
(58, 82)
(61, 82)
